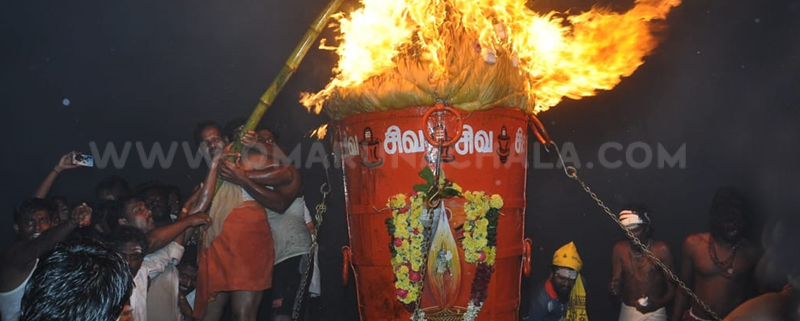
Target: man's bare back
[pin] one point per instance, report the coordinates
(768, 307)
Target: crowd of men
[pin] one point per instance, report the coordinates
(724, 268)
(145, 254)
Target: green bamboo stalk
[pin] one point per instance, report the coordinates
(286, 72)
(288, 69)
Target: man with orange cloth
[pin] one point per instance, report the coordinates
(237, 254)
(562, 297)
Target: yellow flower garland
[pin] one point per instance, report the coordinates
(408, 235)
(476, 243)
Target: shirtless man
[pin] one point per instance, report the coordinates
(291, 236)
(236, 258)
(642, 286)
(276, 183)
(719, 264)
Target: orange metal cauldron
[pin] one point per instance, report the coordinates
(382, 153)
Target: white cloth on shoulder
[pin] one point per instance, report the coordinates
(152, 266)
(629, 313)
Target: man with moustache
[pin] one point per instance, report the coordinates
(562, 296)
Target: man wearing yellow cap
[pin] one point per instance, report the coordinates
(562, 296)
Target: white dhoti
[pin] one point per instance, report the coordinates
(629, 313)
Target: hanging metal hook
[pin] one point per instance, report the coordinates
(541, 133)
(570, 171)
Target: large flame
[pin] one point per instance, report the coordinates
(555, 55)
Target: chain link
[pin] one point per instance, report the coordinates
(572, 172)
(321, 208)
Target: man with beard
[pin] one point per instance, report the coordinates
(562, 296)
(642, 286)
(34, 238)
(719, 264)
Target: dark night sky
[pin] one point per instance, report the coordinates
(725, 82)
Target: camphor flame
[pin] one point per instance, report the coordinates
(554, 55)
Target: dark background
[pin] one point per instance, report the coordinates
(724, 82)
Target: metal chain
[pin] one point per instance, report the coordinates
(572, 172)
(321, 208)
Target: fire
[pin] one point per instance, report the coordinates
(320, 132)
(452, 49)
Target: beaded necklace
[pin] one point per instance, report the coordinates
(725, 266)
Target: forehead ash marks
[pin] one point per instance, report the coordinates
(567, 273)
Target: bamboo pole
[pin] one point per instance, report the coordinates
(286, 72)
(288, 69)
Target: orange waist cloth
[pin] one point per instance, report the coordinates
(239, 259)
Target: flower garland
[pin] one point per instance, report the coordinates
(482, 212)
(408, 236)
(480, 244)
